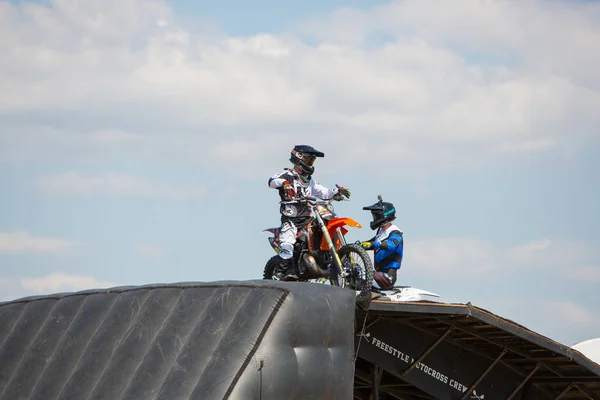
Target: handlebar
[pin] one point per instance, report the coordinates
(313, 200)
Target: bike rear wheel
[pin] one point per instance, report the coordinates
(357, 268)
(269, 270)
(270, 267)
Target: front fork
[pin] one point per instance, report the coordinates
(336, 258)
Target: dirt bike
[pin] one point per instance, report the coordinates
(321, 251)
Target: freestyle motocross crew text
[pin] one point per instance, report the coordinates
(420, 366)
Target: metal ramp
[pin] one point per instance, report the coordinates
(428, 350)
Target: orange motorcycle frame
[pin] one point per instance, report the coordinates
(332, 227)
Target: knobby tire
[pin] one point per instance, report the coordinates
(367, 271)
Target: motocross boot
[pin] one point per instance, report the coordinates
(279, 271)
(291, 272)
(284, 271)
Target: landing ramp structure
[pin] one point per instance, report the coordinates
(426, 350)
(269, 340)
(218, 340)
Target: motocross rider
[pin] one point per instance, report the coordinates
(387, 244)
(293, 183)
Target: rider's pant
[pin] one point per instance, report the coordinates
(287, 238)
(383, 280)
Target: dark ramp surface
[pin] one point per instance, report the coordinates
(418, 351)
(219, 340)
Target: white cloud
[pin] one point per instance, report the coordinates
(526, 252)
(471, 259)
(9, 290)
(451, 85)
(585, 273)
(57, 282)
(420, 191)
(13, 287)
(114, 136)
(114, 184)
(23, 242)
(446, 256)
(571, 313)
(151, 251)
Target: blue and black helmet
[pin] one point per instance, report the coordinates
(382, 213)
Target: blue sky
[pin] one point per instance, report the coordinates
(263, 16)
(137, 138)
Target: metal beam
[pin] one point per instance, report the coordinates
(367, 326)
(536, 338)
(366, 377)
(487, 371)
(494, 342)
(421, 308)
(376, 374)
(397, 385)
(523, 382)
(566, 379)
(586, 392)
(463, 311)
(511, 348)
(564, 392)
(528, 360)
(451, 340)
(362, 386)
(449, 313)
(426, 353)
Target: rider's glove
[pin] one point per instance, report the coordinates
(366, 245)
(343, 191)
(289, 190)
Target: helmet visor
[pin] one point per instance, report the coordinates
(377, 215)
(309, 159)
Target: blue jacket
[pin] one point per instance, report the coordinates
(389, 248)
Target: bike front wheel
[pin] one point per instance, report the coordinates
(357, 268)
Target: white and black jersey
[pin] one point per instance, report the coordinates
(294, 209)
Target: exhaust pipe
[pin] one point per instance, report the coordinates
(313, 267)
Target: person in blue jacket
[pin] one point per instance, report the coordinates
(388, 244)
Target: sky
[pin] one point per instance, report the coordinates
(137, 139)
